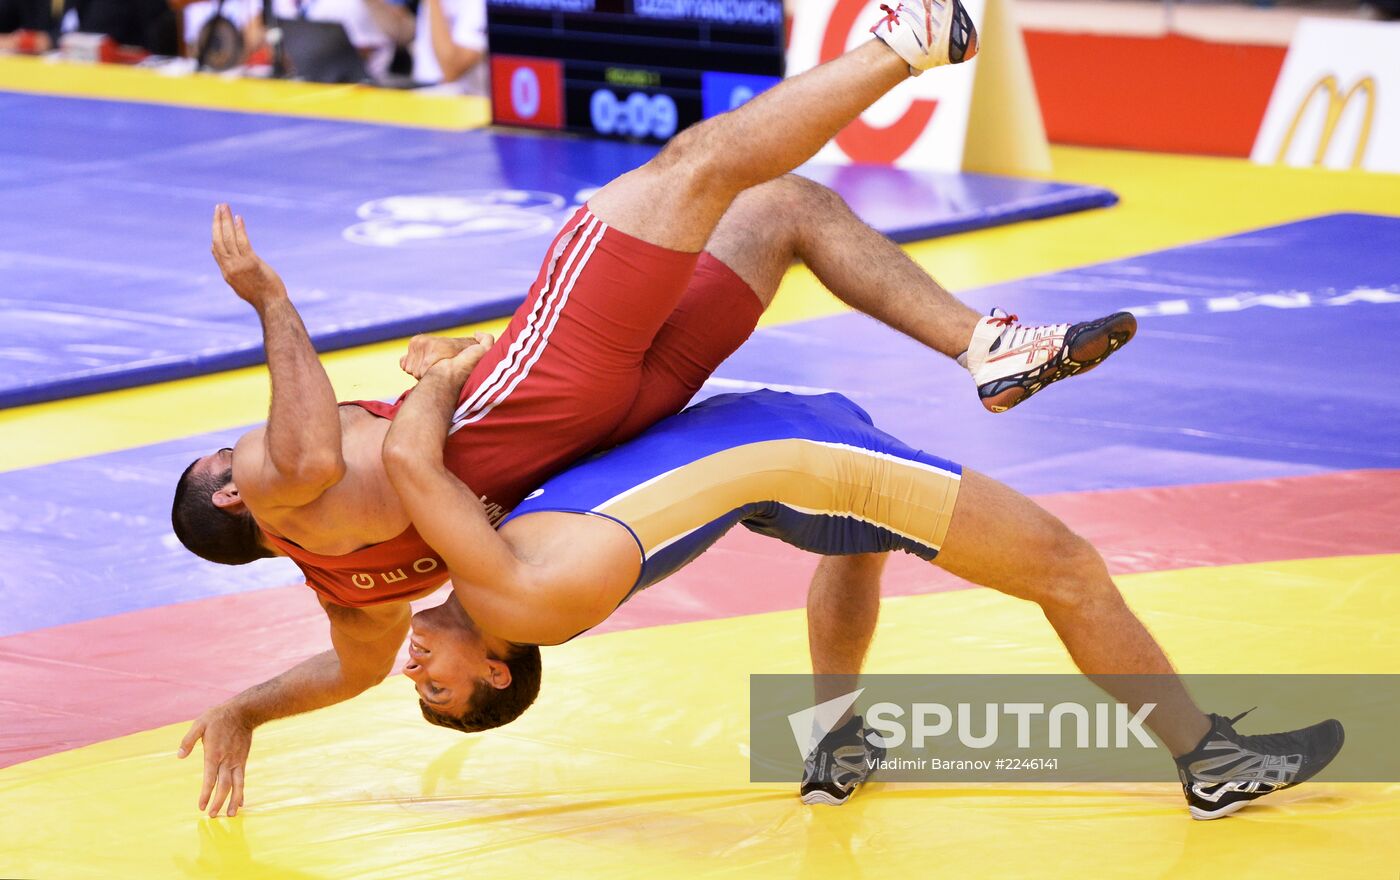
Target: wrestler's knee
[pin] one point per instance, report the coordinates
(770, 217)
(792, 198)
(1074, 575)
(688, 161)
(810, 196)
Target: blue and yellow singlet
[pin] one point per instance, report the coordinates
(812, 471)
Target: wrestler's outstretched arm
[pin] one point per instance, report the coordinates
(299, 457)
(365, 642)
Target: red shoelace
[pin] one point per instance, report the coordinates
(890, 20)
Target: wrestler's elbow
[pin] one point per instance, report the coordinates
(372, 676)
(354, 682)
(367, 666)
(405, 463)
(318, 471)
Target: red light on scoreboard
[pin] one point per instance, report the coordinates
(527, 91)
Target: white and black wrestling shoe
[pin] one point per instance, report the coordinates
(928, 33)
(1228, 770)
(1011, 361)
(840, 764)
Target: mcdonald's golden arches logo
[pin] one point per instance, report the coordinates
(1337, 103)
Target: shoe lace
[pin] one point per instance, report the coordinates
(1002, 320)
(1236, 719)
(1267, 743)
(890, 20)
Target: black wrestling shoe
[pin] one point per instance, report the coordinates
(840, 763)
(1011, 361)
(1227, 770)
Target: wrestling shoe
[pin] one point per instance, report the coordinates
(1010, 361)
(839, 764)
(1227, 770)
(928, 33)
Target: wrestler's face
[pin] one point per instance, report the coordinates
(217, 469)
(448, 658)
(215, 463)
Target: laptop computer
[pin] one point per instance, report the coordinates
(320, 51)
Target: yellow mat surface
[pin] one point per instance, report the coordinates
(633, 764)
(211, 91)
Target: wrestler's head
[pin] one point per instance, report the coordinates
(210, 518)
(468, 680)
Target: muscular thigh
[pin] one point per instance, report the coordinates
(717, 313)
(569, 365)
(735, 280)
(660, 203)
(594, 310)
(757, 238)
(1001, 539)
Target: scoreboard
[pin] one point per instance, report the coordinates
(634, 69)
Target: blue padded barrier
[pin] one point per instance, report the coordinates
(105, 275)
(1266, 354)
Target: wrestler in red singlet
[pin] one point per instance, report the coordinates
(615, 335)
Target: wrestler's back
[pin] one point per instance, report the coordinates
(360, 510)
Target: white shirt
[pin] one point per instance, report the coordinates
(467, 20)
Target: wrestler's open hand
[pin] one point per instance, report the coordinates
(424, 351)
(227, 738)
(253, 280)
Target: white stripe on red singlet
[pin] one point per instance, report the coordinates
(567, 288)
(508, 363)
(542, 318)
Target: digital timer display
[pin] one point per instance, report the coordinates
(634, 69)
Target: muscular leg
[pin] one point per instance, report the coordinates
(676, 199)
(843, 605)
(770, 226)
(766, 229)
(999, 538)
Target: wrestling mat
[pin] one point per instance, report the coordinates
(1236, 465)
(379, 231)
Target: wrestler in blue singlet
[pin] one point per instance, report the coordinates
(812, 471)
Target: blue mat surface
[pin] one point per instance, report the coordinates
(1259, 355)
(105, 275)
(1255, 358)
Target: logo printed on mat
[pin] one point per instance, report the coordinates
(1297, 299)
(496, 215)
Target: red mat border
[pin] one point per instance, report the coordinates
(82, 683)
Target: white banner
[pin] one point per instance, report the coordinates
(921, 124)
(1337, 100)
